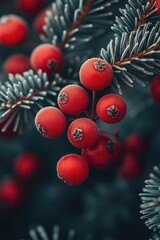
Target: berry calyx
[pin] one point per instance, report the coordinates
(73, 99)
(111, 108)
(155, 88)
(13, 30)
(50, 122)
(83, 133)
(17, 64)
(73, 169)
(96, 74)
(100, 154)
(48, 58)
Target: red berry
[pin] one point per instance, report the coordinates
(100, 154)
(73, 99)
(73, 169)
(13, 30)
(131, 167)
(27, 166)
(17, 63)
(12, 193)
(39, 22)
(111, 108)
(96, 74)
(136, 144)
(118, 152)
(30, 7)
(48, 58)
(155, 88)
(83, 133)
(158, 6)
(50, 122)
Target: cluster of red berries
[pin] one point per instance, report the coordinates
(26, 168)
(97, 149)
(133, 152)
(14, 32)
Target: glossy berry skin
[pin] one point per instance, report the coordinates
(131, 167)
(73, 169)
(155, 89)
(100, 154)
(96, 74)
(48, 58)
(73, 99)
(17, 63)
(83, 133)
(158, 6)
(111, 108)
(30, 7)
(12, 193)
(136, 144)
(50, 122)
(13, 30)
(27, 166)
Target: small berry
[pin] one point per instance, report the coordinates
(17, 63)
(136, 144)
(39, 22)
(13, 30)
(131, 167)
(111, 108)
(27, 166)
(73, 99)
(73, 169)
(155, 88)
(158, 6)
(100, 154)
(30, 7)
(118, 152)
(47, 57)
(83, 133)
(50, 122)
(96, 74)
(12, 193)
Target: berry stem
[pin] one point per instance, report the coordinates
(93, 104)
(87, 114)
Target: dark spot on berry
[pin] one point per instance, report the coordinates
(63, 97)
(110, 146)
(78, 134)
(100, 66)
(42, 130)
(52, 64)
(113, 111)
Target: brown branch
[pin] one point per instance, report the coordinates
(143, 16)
(139, 55)
(77, 24)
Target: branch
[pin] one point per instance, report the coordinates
(25, 94)
(136, 14)
(76, 23)
(134, 56)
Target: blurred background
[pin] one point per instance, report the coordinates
(107, 205)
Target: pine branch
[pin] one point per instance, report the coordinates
(26, 94)
(76, 23)
(134, 56)
(136, 14)
(151, 201)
